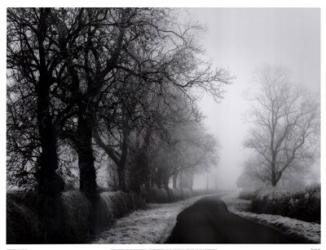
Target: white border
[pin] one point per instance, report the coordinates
(155, 3)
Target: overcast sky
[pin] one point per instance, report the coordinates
(241, 40)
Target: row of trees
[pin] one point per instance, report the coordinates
(113, 79)
(285, 138)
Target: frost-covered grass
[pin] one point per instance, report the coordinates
(289, 226)
(151, 225)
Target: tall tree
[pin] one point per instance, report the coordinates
(32, 63)
(158, 63)
(75, 69)
(286, 122)
(91, 44)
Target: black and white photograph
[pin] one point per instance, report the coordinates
(162, 125)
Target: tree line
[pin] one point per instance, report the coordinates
(113, 80)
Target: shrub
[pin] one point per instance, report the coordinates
(77, 211)
(24, 223)
(303, 205)
(156, 195)
(69, 218)
(247, 195)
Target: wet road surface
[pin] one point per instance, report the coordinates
(209, 221)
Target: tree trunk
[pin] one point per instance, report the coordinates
(148, 183)
(48, 180)
(147, 175)
(181, 181)
(122, 178)
(143, 163)
(166, 187)
(273, 179)
(174, 181)
(191, 181)
(87, 173)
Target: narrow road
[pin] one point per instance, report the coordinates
(209, 221)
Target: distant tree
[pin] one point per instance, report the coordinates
(187, 149)
(196, 151)
(286, 121)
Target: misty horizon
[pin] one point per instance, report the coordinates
(242, 41)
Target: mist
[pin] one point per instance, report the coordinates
(163, 125)
(242, 40)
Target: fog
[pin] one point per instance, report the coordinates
(241, 40)
(158, 125)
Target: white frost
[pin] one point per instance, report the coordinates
(151, 225)
(308, 230)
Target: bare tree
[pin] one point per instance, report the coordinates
(162, 61)
(75, 75)
(286, 121)
(32, 66)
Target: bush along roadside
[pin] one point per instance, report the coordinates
(68, 218)
(304, 205)
(72, 217)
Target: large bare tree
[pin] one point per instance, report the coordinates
(79, 74)
(286, 120)
(33, 63)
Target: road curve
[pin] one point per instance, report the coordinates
(209, 221)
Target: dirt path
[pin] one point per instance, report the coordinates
(209, 221)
